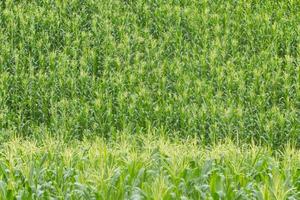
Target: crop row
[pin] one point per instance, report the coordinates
(146, 168)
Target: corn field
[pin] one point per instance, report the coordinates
(149, 99)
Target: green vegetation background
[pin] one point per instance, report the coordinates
(208, 68)
(149, 99)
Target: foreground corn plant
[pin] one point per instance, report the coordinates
(146, 168)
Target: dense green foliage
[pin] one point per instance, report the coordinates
(96, 67)
(146, 168)
(147, 76)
